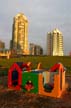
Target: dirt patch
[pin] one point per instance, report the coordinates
(19, 99)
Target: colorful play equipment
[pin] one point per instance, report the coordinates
(45, 82)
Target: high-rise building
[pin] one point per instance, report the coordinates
(35, 49)
(2, 45)
(19, 40)
(55, 43)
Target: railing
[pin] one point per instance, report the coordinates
(7, 55)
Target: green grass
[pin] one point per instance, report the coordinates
(47, 61)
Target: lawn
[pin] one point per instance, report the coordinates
(47, 61)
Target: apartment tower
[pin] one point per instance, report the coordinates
(19, 40)
(55, 43)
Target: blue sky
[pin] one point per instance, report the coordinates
(43, 17)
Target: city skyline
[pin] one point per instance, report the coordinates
(43, 16)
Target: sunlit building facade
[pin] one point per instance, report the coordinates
(55, 43)
(19, 40)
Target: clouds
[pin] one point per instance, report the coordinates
(43, 16)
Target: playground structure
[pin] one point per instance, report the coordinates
(45, 82)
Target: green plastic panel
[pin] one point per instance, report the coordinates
(26, 76)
